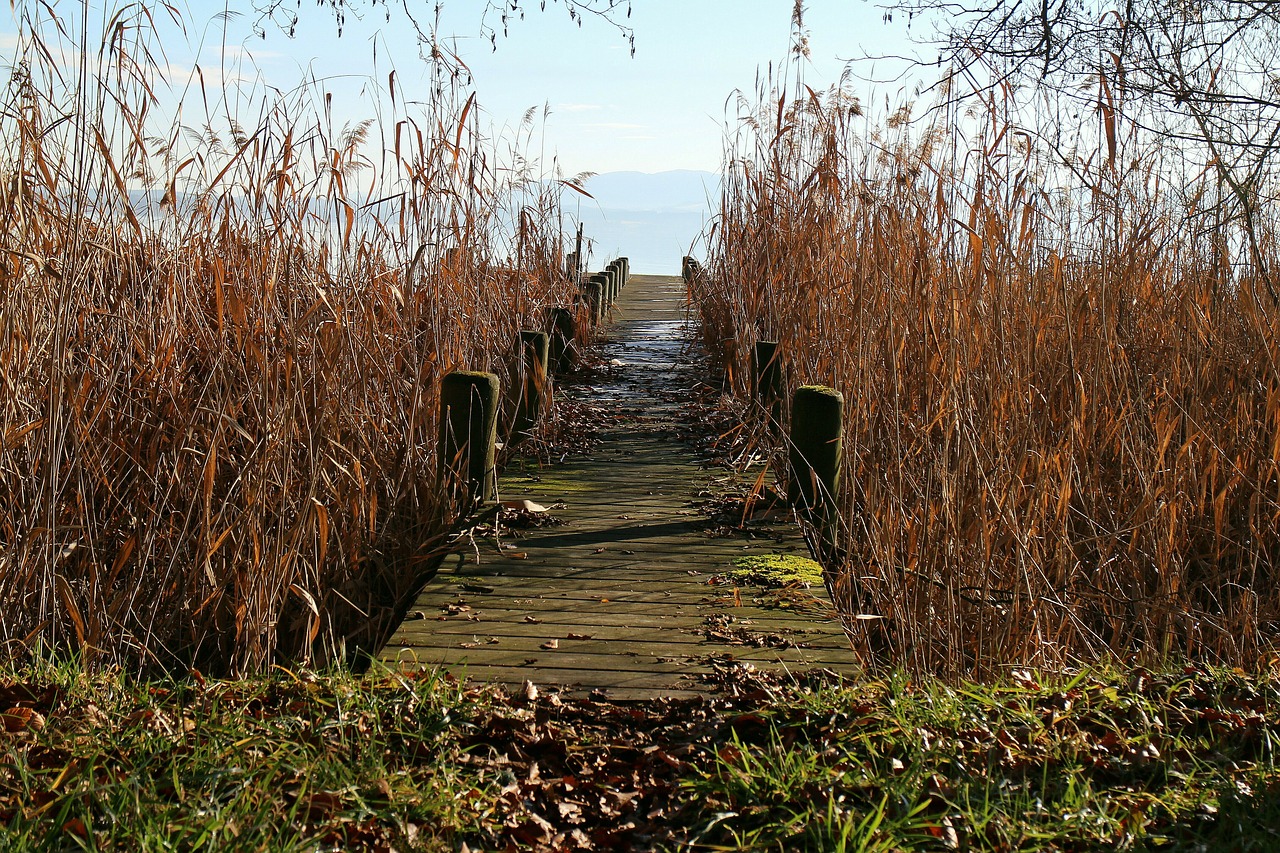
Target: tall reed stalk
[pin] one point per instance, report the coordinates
(221, 344)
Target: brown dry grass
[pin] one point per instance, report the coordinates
(221, 351)
(1062, 405)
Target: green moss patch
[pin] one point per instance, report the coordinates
(775, 570)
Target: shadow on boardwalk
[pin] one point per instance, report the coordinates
(628, 596)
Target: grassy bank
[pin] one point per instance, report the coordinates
(294, 760)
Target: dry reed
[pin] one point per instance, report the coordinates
(222, 344)
(1063, 405)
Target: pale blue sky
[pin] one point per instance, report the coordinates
(662, 109)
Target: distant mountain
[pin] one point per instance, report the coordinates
(653, 219)
(683, 190)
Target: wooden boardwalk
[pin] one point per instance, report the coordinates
(629, 596)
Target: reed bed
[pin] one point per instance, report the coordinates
(222, 339)
(1062, 422)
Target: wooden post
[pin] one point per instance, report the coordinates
(595, 298)
(611, 270)
(606, 287)
(626, 270)
(564, 331)
(468, 432)
(577, 255)
(766, 380)
(690, 269)
(532, 370)
(817, 425)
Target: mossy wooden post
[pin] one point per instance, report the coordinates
(595, 298)
(532, 366)
(766, 380)
(564, 330)
(817, 425)
(468, 431)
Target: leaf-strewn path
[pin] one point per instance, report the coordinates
(629, 596)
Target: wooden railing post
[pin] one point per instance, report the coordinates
(564, 331)
(532, 381)
(817, 426)
(468, 432)
(766, 380)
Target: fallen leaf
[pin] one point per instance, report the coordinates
(551, 644)
(573, 636)
(532, 620)
(20, 719)
(519, 555)
(321, 805)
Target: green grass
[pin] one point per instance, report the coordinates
(1176, 760)
(1132, 761)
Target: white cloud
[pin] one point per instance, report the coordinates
(578, 108)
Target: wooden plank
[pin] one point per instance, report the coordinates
(632, 616)
(587, 665)
(620, 628)
(598, 641)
